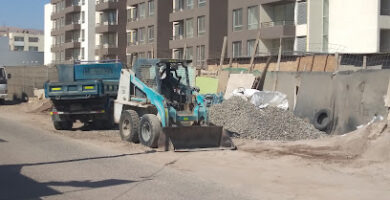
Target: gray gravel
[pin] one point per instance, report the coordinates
(247, 121)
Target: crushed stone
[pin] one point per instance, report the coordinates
(245, 120)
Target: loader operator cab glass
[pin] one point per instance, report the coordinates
(172, 86)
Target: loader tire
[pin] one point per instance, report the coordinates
(129, 125)
(149, 130)
(63, 125)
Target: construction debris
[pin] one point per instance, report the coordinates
(247, 121)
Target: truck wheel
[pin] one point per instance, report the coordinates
(128, 126)
(2, 101)
(149, 130)
(63, 125)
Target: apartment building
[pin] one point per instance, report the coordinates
(23, 39)
(273, 21)
(198, 29)
(69, 31)
(308, 25)
(148, 29)
(111, 20)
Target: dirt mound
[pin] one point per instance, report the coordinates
(370, 143)
(38, 106)
(249, 122)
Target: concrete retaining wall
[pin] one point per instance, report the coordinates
(26, 78)
(353, 98)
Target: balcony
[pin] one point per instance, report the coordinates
(277, 29)
(178, 37)
(67, 10)
(55, 1)
(71, 44)
(274, 2)
(102, 5)
(106, 27)
(72, 27)
(106, 49)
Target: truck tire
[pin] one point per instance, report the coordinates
(149, 130)
(63, 125)
(129, 125)
(2, 101)
(322, 120)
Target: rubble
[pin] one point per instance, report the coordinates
(247, 121)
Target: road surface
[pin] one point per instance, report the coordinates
(36, 164)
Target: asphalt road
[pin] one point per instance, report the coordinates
(35, 164)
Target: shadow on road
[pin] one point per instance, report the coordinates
(14, 185)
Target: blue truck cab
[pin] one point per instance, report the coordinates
(84, 92)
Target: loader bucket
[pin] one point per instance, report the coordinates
(198, 138)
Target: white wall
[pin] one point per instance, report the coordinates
(353, 24)
(314, 25)
(90, 27)
(48, 56)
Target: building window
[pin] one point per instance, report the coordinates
(132, 14)
(150, 55)
(19, 48)
(33, 49)
(190, 4)
(178, 5)
(83, 17)
(189, 27)
(141, 33)
(201, 25)
(19, 39)
(178, 30)
(189, 53)
(251, 47)
(133, 37)
(253, 17)
(142, 10)
(201, 3)
(151, 7)
(237, 49)
(151, 33)
(83, 35)
(178, 53)
(237, 19)
(200, 55)
(82, 53)
(33, 39)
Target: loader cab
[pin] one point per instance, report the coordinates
(171, 78)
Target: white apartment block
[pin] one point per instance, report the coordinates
(69, 31)
(23, 39)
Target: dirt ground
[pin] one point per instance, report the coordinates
(351, 166)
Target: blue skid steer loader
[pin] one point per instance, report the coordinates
(158, 106)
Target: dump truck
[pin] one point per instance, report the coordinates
(3, 84)
(158, 105)
(85, 92)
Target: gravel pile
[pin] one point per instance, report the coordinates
(247, 121)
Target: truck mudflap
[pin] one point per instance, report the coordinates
(198, 138)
